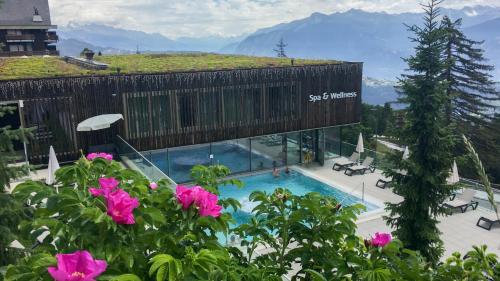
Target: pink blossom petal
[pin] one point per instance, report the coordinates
(121, 206)
(95, 191)
(78, 266)
(381, 239)
(153, 185)
(91, 156)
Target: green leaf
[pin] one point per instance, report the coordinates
(316, 276)
(126, 277)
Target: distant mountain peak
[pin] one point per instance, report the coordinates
(318, 14)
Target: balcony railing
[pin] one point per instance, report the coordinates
(20, 37)
(52, 37)
(30, 53)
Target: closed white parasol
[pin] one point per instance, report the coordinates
(360, 148)
(454, 177)
(53, 166)
(98, 122)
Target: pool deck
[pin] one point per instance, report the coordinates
(459, 231)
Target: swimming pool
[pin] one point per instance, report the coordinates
(236, 155)
(296, 182)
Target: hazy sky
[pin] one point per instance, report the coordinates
(197, 18)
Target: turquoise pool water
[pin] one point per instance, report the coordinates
(296, 182)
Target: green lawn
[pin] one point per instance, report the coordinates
(37, 67)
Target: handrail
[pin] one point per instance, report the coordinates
(352, 191)
(156, 173)
(495, 187)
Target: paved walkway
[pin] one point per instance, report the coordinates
(459, 231)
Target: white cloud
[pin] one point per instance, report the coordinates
(197, 18)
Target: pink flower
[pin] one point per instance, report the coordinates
(185, 195)
(91, 156)
(78, 266)
(153, 185)
(106, 156)
(121, 206)
(207, 204)
(103, 155)
(381, 239)
(107, 185)
(205, 201)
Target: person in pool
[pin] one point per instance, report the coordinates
(276, 172)
(287, 170)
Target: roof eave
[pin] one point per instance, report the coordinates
(25, 26)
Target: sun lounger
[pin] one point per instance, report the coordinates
(383, 182)
(463, 201)
(344, 163)
(486, 223)
(360, 169)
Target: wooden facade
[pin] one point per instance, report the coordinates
(184, 108)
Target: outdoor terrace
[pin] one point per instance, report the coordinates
(459, 231)
(45, 67)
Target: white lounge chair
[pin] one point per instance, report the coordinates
(463, 201)
(361, 169)
(344, 163)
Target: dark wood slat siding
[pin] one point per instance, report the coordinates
(176, 109)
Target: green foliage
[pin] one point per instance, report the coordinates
(482, 175)
(424, 187)
(472, 97)
(36, 67)
(311, 232)
(470, 89)
(375, 120)
(310, 229)
(165, 243)
(7, 155)
(11, 212)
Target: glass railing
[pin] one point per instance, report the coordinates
(346, 149)
(481, 195)
(135, 160)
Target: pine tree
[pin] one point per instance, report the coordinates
(470, 87)
(280, 48)
(423, 188)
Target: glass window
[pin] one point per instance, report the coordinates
(16, 48)
(268, 152)
(293, 148)
(309, 146)
(332, 142)
(234, 154)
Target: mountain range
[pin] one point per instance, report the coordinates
(123, 40)
(378, 39)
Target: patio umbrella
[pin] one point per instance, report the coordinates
(98, 122)
(454, 177)
(406, 153)
(53, 166)
(360, 148)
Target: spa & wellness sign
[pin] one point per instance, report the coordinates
(332, 96)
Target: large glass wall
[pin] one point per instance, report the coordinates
(234, 154)
(332, 142)
(268, 152)
(293, 148)
(250, 154)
